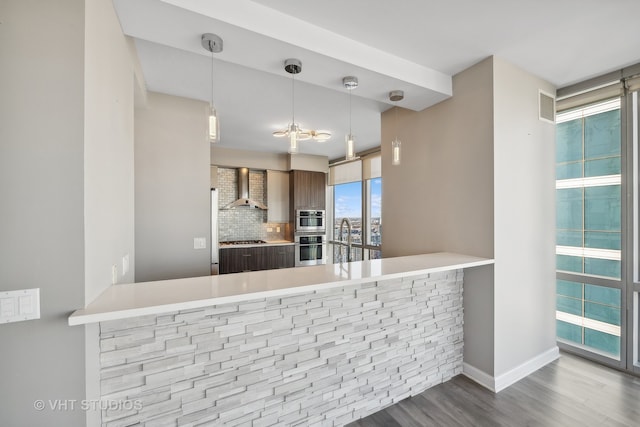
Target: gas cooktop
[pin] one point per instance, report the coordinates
(242, 242)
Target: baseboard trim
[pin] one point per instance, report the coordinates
(496, 384)
(530, 366)
(479, 376)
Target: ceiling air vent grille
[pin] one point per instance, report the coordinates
(546, 107)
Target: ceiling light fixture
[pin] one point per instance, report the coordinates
(395, 96)
(350, 82)
(293, 131)
(213, 43)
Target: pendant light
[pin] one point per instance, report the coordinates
(213, 43)
(395, 96)
(350, 82)
(293, 131)
(294, 66)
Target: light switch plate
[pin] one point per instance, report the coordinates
(199, 243)
(16, 306)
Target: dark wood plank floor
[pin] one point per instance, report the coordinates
(568, 392)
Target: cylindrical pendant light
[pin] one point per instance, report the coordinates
(350, 153)
(293, 138)
(293, 66)
(396, 144)
(350, 82)
(214, 126)
(395, 152)
(212, 43)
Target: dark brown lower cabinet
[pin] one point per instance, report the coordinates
(237, 260)
(280, 256)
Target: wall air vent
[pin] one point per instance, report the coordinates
(546, 107)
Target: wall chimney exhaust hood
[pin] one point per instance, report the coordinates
(243, 193)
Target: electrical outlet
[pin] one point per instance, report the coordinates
(269, 229)
(125, 264)
(277, 229)
(114, 274)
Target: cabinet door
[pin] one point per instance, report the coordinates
(236, 260)
(281, 256)
(229, 262)
(277, 196)
(302, 189)
(260, 258)
(289, 257)
(318, 190)
(224, 258)
(308, 189)
(246, 259)
(272, 257)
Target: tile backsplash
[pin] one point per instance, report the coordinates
(244, 223)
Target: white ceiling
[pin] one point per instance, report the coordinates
(413, 45)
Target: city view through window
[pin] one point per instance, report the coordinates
(366, 230)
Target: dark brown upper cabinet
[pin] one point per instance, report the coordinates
(306, 190)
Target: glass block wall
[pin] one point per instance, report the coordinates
(588, 221)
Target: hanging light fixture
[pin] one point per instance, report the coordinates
(213, 43)
(293, 131)
(395, 96)
(350, 82)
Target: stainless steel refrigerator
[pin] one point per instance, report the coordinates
(215, 260)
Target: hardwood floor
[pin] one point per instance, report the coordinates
(568, 392)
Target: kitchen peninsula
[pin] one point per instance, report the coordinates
(322, 345)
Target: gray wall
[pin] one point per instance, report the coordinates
(108, 150)
(477, 177)
(109, 68)
(524, 192)
(441, 197)
(41, 193)
(172, 193)
(66, 184)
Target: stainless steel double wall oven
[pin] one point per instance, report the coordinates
(310, 237)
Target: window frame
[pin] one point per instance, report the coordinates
(364, 246)
(625, 255)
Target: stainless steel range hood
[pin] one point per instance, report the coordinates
(243, 193)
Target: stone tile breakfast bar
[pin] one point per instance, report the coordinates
(321, 345)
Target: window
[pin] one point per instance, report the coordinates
(589, 315)
(357, 196)
(347, 203)
(374, 211)
(598, 240)
(588, 172)
(589, 227)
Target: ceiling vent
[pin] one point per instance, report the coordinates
(546, 107)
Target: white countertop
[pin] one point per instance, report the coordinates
(139, 299)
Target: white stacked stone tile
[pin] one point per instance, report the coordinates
(321, 358)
